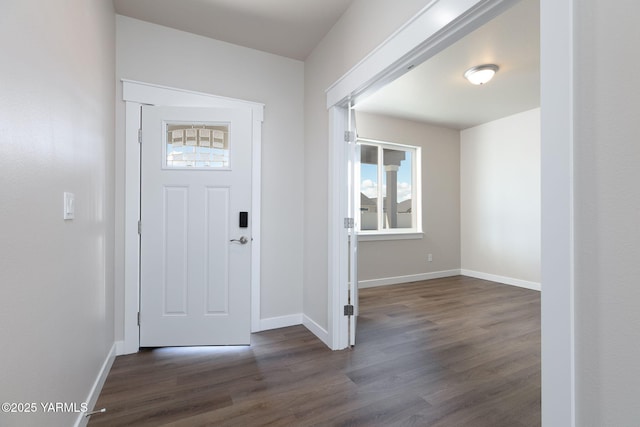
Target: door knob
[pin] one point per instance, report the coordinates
(243, 240)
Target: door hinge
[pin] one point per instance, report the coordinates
(349, 223)
(349, 136)
(138, 318)
(348, 310)
(139, 136)
(140, 227)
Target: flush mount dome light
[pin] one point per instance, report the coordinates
(480, 74)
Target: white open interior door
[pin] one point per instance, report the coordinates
(353, 175)
(195, 240)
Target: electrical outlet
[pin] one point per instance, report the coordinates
(430, 257)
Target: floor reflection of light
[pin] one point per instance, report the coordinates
(202, 350)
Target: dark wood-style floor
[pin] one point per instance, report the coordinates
(448, 352)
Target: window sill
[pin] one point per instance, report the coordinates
(365, 237)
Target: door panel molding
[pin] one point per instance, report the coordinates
(217, 297)
(136, 94)
(175, 274)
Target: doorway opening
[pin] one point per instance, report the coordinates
(419, 40)
(480, 182)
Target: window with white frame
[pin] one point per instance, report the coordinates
(390, 195)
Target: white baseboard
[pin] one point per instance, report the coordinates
(316, 330)
(292, 320)
(92, 398)
(502, 279)
(406, 279)
(280, 322)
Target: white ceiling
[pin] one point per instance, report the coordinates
(290, 28)
(433, 92)
(436, 92)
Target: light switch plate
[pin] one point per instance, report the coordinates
(69, 205)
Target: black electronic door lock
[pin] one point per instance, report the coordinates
(244, 220)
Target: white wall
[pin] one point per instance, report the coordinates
(607, 213)
(160, 55)
(394, 259)
(56, 133)
(500, 199)
(365, 25)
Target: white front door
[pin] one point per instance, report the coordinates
(195, 240)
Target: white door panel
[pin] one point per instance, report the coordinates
(194, 281)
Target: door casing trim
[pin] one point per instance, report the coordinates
(134, 95)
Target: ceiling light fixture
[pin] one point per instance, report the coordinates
(480, 74)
